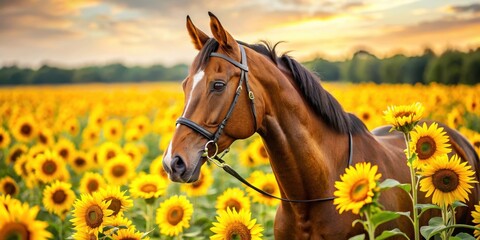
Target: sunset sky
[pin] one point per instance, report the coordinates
(144, 32)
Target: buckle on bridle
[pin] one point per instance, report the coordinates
(205, 150)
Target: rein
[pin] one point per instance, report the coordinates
(213, 137)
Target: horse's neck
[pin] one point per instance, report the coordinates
(305, 154)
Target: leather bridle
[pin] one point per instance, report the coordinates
(214, 137)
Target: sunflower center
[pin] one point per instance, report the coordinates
(263, 152)
(111, 154)
(237, 230)
(445, 180)
(94, 216)
(92, 185)
(49, 167)
(148, 188)
(115, 205)
(426, 147)
(80, 162)
(93, 136)
(404, 114)
(43, 139)
(10, 188)
(64, 153)
(365, 116)
(26, 129)
(269, 188)
(233, 204)
(118, 170)
(359, 190)
(15, 155)
(59, 197)
(175, 215)
(15, 231)
(198, 183)
(1, 138)
(113, 131)
(476, 144)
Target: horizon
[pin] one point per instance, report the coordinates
(80, 33)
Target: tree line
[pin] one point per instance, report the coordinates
(451, 67)
(116, 72)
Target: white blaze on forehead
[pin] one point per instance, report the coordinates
(196, 79)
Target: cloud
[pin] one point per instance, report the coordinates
(474, 7)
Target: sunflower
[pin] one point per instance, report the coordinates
(404, 117)
(4, 138)
(357, 187)
(8, 186)
(119, 170)
(140, 123)
(236, 225)
(97, 117)
(233, 198)
(134, 152)
(58, 198)
(266, 182)
(84, 235)
(65, 149)
(24, 129)
(37, 149)
(118, 201)
(71, 126)
(45, 137)
(108, 151)
(49, 166)
(6, 200)
(174, 215)
(80, 162)
(148, 186)
(15, 152)
(476, 219)
(119, 222)
(91, 182)
(201, 186)
(258, 152)
(455, 118)
(428, 143)
(91, 214)
(90, 136)
(112, 130)
(156, 167)
(128, 234)
(447, 179)
(18, 221)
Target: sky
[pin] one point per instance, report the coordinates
(73, 33)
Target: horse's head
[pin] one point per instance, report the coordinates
(220, 104)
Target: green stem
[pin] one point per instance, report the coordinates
(413, 178)
(148, 217)
(61, 228)
(370, 227)
(445, 234)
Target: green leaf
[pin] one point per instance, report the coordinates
(463, 236)
(425, 207)
(358, 221)
(390, 183)
(435, 225)
(382, 217)
(458, 204)
(390, 233)
(358, 237)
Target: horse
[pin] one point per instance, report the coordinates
(235, 90)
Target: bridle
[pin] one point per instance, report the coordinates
(213, 137)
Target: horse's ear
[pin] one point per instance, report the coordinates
(224, 38)
(198, 37)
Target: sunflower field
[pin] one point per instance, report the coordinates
(85, 161)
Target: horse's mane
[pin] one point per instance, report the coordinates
(323, 103)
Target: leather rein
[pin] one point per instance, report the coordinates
(213, 137)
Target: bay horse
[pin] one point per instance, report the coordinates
(304, 128)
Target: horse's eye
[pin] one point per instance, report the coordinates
(218, 86)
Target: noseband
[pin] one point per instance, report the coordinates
(213, 137)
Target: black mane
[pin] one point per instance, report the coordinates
(323, 103)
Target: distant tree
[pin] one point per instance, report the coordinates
(47, 74)
(471, 69)
(447, 68)
(415, 68)
(364, 67)
(392, 70)
(324, 69)
(13, 75)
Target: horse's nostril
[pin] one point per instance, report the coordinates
(178, 166)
